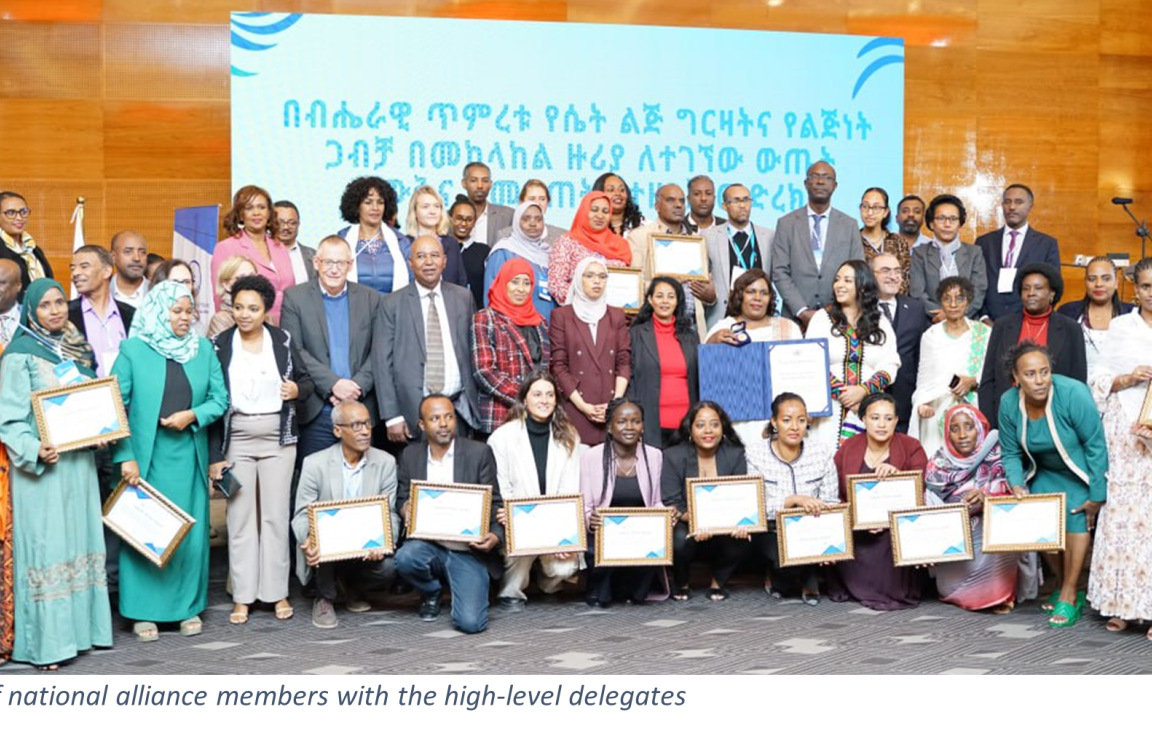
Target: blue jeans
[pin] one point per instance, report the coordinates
(426, 565)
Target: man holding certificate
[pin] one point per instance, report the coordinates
(467, 567)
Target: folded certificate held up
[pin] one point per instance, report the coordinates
(81, 415)
(342, 530)
(147, 521)
(545, 525)
(450, 513)
(634, 537)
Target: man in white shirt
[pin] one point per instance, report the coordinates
(9, 308)
(130, 254)
(477, 182)
(288, 218)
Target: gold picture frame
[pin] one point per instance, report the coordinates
(868, 521)
(789, 520)
(900, 521)
(520, 542)
(650, 558)
(60, 406)
(753, 483)
(619, 289)
(1145, 418)
(466, 534)
(142, 524)
(364, 509)
(996, 506)
(664, 253)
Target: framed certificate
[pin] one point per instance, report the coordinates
(1033, 522)
(801, 367)
(634, 537)
(347, 529)
(1145, 418)
(937, 534)
(625, 288)
(147, 521)
(545, 525)
(872, 498)
(680, 257)
(453, 513)
(721, 505)
(80, 415)
(803, 539)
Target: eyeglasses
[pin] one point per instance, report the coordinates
(21, 213)
(946, 219)
(290, 223)
(887, 270)
(356, 425)
(738, 201)
(334, 264)
(821, 177)
(865, 208)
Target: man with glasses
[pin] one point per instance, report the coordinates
(288, 218)
(946, 256)
(18, 245)
(1014, 245)
(734, 247)
(346, 470)
(910, 322)
(810, 245)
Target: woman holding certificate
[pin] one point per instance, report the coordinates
(707, 447)
(256, 441)
(173, 389)
(665, 380)
(862, 354)
(60, 592)
(1053, 442)
(872, 579)
(1118, 584)
(591, 233)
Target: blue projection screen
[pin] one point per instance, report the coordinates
(318, 100)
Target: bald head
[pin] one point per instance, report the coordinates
(670, 204)
(9, 284)
(820, 183)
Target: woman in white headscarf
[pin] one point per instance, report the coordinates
(591, 350)
(527, 241)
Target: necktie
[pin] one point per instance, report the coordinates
(817, 247)
(434, 343)
(886, 307)
(1011, 248)
(741, 241)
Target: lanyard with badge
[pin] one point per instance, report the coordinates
(744, 265)
(66, 371)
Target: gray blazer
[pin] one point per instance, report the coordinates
(322, 480)
(924, 276)
(399, 354)
(797, 278)
(302, 316)
(309, 254)
(499, 216)
(720, 258)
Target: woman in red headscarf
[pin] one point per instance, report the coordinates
(591, 234)
(509, 341)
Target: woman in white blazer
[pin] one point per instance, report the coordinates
(537, 453)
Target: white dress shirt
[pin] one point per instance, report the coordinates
(132, 299)
(254, 379)
(452, 382)
(299, 269)
(1021, 232)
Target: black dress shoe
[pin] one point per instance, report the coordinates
(512, 604)
(430, 608)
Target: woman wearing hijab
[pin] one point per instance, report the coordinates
(509, 341)
(173, 389)
(591, 234)
(60, 593)
(591, 350)
(527, 241)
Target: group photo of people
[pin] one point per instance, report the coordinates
(454, 341)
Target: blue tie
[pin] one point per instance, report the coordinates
(817, 249)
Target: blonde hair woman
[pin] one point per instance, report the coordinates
(427, 217)
(232, 269)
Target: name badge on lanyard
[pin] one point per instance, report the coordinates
(737, 272)
(67, 373)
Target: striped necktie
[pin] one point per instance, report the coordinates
(434, 342)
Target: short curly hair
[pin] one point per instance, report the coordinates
(257, 284)
(358, 190)
(956, 281)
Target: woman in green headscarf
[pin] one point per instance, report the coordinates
(61, 592)
(173, 388)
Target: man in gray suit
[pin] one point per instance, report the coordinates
(288, 218)
(810, 245)
(946, 256)
(349, 469)
(477, 182)
(407, 368)
(734, 247)
(331, 319)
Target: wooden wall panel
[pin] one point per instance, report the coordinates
(51, 139)
(148, 206)
(167, 140)
(50, 60)
(149, 61)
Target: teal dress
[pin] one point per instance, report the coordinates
(61, 593)
(175, 463)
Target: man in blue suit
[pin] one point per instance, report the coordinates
(1011, 247)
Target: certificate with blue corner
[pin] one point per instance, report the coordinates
(677, 256)
(625, 289)
(801, 367)
(634, 537)
(936, 534)
(1025, 524)
(872, 498)
(77, 416)
(449, 512)
(545, 525)
(347, 529)
(803, 539)
(723, 505)
(147, 521)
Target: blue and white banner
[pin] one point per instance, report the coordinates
(193, 241)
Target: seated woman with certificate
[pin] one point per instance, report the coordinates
(798, 472)
(707, 447)
(872, 579)
(622, 472)
(965, 470)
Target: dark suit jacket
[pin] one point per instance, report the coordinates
(794, 272)
(399, 355)
(927, 272)
(1038, 247)
(473, 464)
(911, 324)
(645, 384)
(1065, 343)
(302, 316)
(499, 217)
(309, 254)
(25, 278)
(1075, 309)
(681, 462)
(591, 368)
(76, 316)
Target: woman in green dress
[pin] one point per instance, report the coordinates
(173, 388)
(1052, 441)
(61, 592)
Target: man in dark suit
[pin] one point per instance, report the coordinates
(406, 368)
(810, 245)
(477, 182)
(467, 567)
(1012, 247)
(908, 318)
(17, 245)
(288, 218)
(331, 320)
(1039, 287)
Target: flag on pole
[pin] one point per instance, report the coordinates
(193, 241)
(77, 231)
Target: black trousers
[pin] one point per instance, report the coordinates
(355, 576)
(723, 553)
(614, 584)
(788, 581)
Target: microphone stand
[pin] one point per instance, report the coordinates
(1141, 231)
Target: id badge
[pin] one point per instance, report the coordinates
(542, 291)
(67, 373)
(1007, 280)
